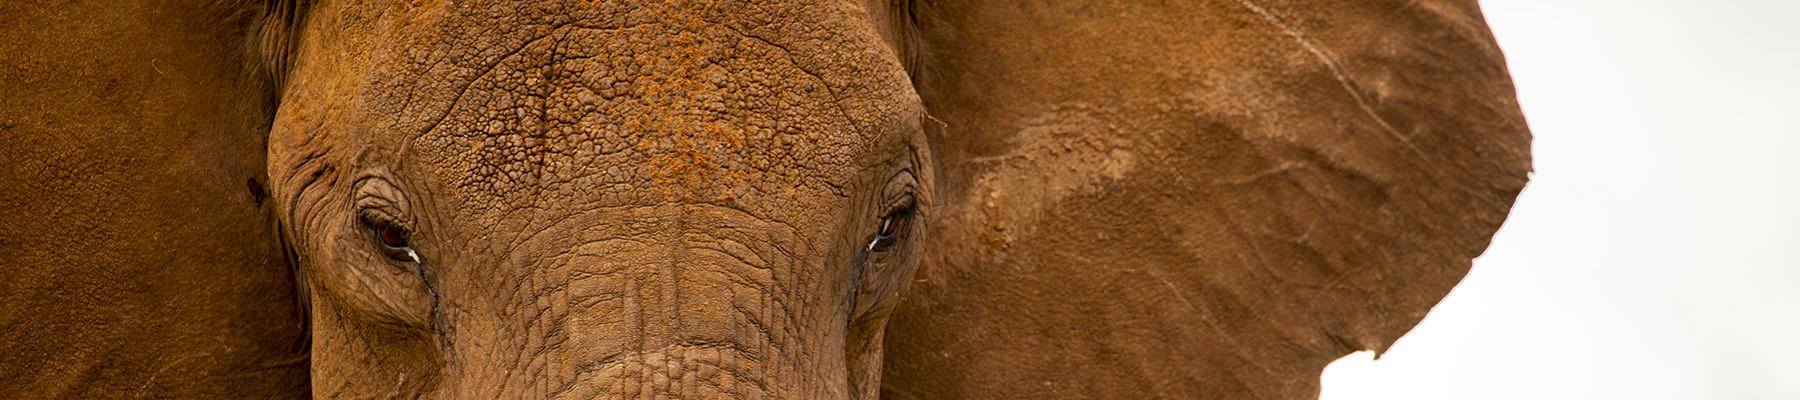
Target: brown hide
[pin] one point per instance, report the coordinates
(1176, 199)
(137, 257)
(1195, 199)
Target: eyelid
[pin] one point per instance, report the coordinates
(376, 209)
(899, 205)
(900, 186)
(382, 216)
(379, 200)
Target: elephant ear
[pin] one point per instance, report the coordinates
(1195, 199)
(138, 256)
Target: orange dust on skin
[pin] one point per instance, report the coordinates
(683, 91)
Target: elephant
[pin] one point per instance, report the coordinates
(736, 199)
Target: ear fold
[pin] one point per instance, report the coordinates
(138, 257)
(1199, 199)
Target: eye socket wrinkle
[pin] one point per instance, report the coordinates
(382, 210)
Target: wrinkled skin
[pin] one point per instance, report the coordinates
(725, 199)
(605, 200)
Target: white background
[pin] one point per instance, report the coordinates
(1656, 252)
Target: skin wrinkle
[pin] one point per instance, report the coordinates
(757, 263)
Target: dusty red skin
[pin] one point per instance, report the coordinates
(721, 199)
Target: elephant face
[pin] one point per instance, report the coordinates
(598, 199)
(734, 198)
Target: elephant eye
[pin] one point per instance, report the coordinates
(381, 208)
(897, 212)
(393, 241)
(391, 237)
(888, 228)
(888, 231)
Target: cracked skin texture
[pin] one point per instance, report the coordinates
(1208, 199)
(611, 198)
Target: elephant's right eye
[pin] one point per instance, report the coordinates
(391, 237)
(381, 208)
(393, 241)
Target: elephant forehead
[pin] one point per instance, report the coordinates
(681, 104)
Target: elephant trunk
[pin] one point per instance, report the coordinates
(700, 312)
(696, 370)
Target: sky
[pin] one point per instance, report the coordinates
(1656, 252)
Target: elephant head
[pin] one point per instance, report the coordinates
(765, 199)
(506, 199)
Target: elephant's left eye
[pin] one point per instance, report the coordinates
(890, 229)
